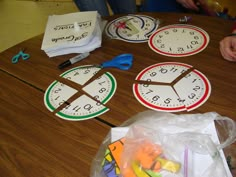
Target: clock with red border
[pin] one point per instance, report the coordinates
(171, 87)
(179, 40)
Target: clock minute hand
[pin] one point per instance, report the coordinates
(181, 76)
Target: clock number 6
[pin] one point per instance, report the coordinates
(102, 90)
(155, 98)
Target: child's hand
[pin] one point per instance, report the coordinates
(228, 47)
(189, 4)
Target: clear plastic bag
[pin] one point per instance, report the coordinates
(166, 145)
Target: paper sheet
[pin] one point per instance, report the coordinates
(72, 33)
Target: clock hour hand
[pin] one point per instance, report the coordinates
(147, 82)
(121, 24)
(128, 28)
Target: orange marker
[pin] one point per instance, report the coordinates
(116, 148)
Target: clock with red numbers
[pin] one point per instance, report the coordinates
(179, 40)
(171, 87)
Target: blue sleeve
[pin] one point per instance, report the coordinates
(122, 6)
(117, 6)
(162, 6)
(93, 5)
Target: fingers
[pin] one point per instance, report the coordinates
(226, 53)
(228, 48)
(202, 2)
(189, 4)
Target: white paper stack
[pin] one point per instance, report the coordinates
(72, 33)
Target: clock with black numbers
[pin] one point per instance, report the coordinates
(171, 87)
(75, 103)
(132, 28)
(179, 40)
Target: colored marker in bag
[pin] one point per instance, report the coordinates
(188, 169)
(73, 60)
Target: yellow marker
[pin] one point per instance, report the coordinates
(169, 165)
(138, 170)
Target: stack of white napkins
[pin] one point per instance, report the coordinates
(72, 33)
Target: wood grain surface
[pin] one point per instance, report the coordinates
(33, 142)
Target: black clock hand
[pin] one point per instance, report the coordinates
(181, 76)
(147, 82)
(128, 28)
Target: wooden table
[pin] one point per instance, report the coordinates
(34, 142)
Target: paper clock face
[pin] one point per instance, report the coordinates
(179, 40)
(132, 28)
(171, 87)
(91, 98)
